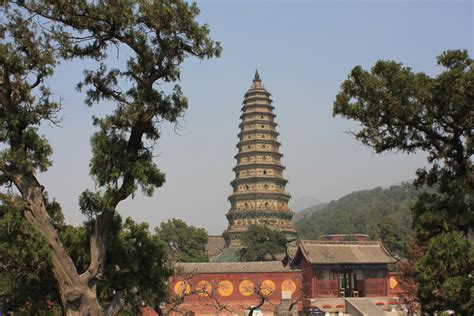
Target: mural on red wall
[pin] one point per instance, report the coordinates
(232, 292)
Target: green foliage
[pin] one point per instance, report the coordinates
(129, 267)
(27, 58)
(406, 111)
(393, 235)
(260, 243)
(383, 214)
(450, 259)
(185, 243)
(26, 279)
(136, 265)
(402, 110)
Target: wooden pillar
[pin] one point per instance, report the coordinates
(313, 281)
(349, 274)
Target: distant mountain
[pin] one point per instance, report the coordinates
(303, 202)
(383, 214)
(308, 211)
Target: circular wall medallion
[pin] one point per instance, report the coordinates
(288, 285)
(203, 288)
(182, 288)
(393, 282)
(225, 288)
(267, 287)
(246, 287)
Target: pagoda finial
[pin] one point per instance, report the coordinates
(257, 76)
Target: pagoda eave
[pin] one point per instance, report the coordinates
(258, 152)
(258, 90)
(256, 122)
(257, 105)
(233, 215)
(241, 166)
(255, 179)
(258, 141)
(258, 131)
(254, 195)
(244, 115)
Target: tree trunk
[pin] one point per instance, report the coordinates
(116, 305)
(77, 296)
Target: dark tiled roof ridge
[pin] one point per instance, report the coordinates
(233, 267)
(341, 242)
(242, 262)
(354, 234)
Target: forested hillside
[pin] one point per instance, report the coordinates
(383, 214)
(308, 211)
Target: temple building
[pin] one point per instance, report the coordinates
(259, 195)
(344, 268)
(330, 275)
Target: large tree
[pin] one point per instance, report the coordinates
(261, 243)
(36, 34)
(185, 243)
(400, 110)
(27, 283)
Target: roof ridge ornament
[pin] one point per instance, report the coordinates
(257, 76)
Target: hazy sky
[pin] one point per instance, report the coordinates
(303, 51)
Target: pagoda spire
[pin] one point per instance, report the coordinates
(259, 195)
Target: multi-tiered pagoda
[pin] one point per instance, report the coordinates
(259, 195)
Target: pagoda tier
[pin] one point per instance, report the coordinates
(259, 195)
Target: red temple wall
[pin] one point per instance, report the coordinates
(305, 281)
(308, 276)
(198, 300)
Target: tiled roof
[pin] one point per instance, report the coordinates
(228, 254)
(327, 252)
(214, 245)
(231, 254)
(291, 251)
(231, 267)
